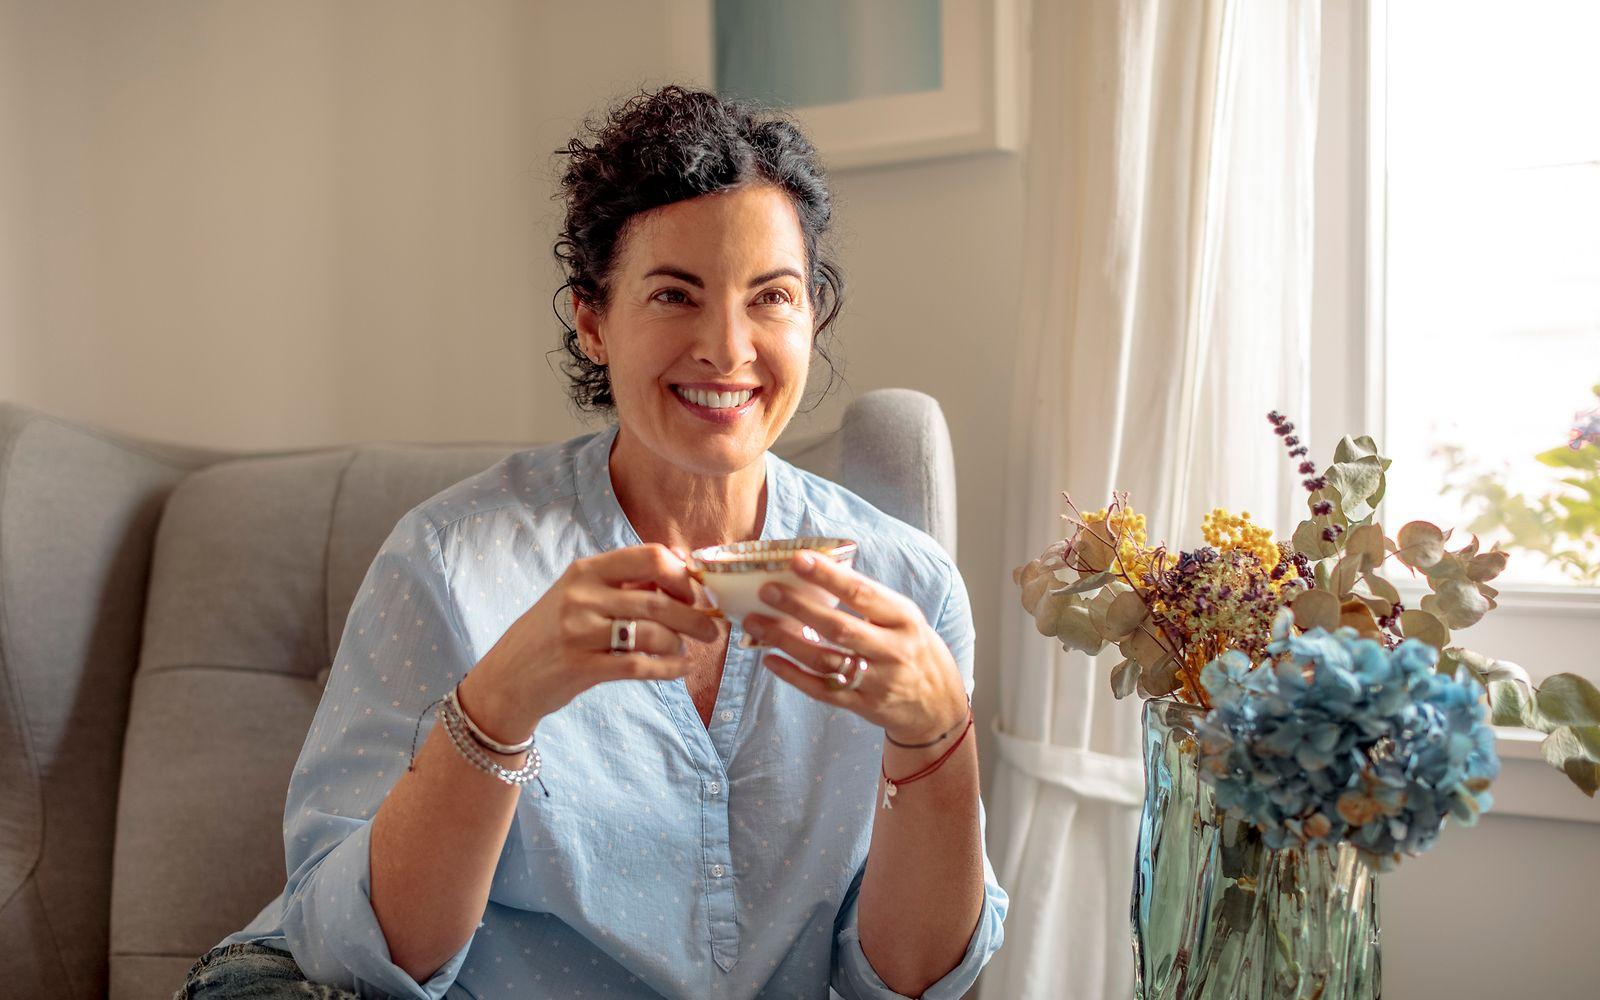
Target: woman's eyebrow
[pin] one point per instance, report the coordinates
(693, 279)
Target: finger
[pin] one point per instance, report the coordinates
(831, 624)
(785, 635)
(650, 563)
(650, 605)
(636, 666)
(877, 603)
(814, 687)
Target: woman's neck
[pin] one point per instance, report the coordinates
(668, 504)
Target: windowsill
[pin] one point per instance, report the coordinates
(1519, 599)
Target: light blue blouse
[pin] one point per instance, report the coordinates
(670, 859)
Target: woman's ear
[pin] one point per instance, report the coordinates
(587, 321)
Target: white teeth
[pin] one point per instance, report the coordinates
(715, 400)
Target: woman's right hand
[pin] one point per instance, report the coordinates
(561, 646)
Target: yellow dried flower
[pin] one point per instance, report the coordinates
(1135, 555)
(1226, 531)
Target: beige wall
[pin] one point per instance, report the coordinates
(289, 224)
(265, 224)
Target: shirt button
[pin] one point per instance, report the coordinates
(717, 871)
(727, 715)
(714, 787)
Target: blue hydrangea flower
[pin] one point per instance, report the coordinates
(1337, 738)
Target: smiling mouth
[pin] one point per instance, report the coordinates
(715, 400)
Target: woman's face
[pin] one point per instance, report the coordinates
(707, 334)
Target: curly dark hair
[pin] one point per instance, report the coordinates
(671, 145)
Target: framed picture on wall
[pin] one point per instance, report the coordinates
(879, 81)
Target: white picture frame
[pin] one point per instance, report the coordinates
(978, 108)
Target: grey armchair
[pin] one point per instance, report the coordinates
(167, 617)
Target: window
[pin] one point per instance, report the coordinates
(1491, 325)
(1457, 291)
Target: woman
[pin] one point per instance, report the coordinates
(712, 823)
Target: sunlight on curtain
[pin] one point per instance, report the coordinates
(1166, 309)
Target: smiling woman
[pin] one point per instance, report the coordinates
(710, 825)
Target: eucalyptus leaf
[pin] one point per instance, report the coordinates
(1144, 647)
(1345, 573)
(1424, 627)
(1084, 584)
(1124, 678)
(1485, 669)
(1365, 540)
(1075, 629)
(1034, 579)
(1457, 603)
(1351, 449)
(1380, 608)
(1308, 539)
(1569, 700)
(1315, 608)
(1097, 554)
(1163, 677)
(1381, 588)
(1124, 615)
(1421, 544)
(1357, 481)
(1487, 565)
(1565, 750)
(1511, 704)
(1355, 614)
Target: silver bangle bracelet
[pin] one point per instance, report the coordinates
(479, 735)
(453, 720)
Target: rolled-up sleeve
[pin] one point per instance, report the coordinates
(853, 976)
(402, 648)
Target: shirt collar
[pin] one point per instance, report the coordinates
(609, 524)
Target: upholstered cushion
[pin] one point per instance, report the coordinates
(78, 509)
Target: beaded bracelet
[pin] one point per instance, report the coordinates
(456, 730)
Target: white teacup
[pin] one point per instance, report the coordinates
(733, 574)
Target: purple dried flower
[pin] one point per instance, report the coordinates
(1299, 452)
(1291, 442)
(1332, 532)
(1322, 508)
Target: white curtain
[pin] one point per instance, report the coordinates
(1166, 309)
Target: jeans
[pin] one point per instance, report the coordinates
(250, 971)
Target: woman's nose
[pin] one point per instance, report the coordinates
(726, 339)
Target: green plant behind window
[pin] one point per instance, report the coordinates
(1562, 525)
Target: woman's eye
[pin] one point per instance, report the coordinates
(773, 297)
(671, 296)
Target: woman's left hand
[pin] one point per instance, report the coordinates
(911, 687)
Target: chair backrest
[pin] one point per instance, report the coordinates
(167, 616)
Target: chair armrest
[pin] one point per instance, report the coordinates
(78, 515)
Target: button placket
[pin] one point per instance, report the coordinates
(721, 898)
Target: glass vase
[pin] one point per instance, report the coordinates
(1217, 914)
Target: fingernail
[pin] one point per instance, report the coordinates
(806, 560)
(771, 593)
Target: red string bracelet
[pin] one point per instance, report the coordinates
(892, 785)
